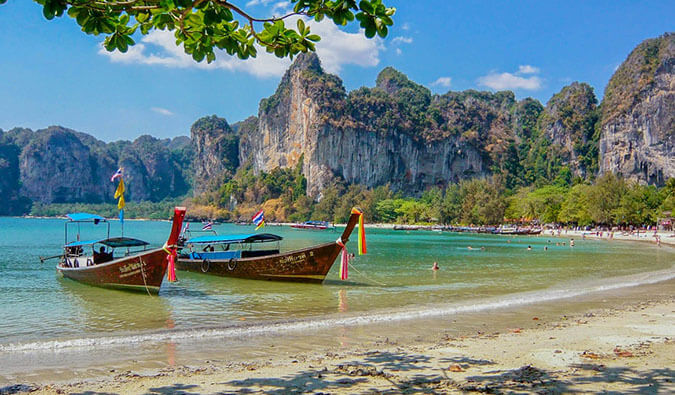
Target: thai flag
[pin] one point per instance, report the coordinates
(118, 173)
(208, 226)
(259, 219)
(185, 228)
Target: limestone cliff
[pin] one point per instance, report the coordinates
(396, 132)
(59, 165)
(568, 123)
(638, 114)
(216, 150)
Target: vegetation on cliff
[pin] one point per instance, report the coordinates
(635, 76)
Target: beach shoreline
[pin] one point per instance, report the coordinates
(618, 341)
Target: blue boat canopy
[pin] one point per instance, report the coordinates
(83, 243)
(116, 242)
(234, 239)
(85, 217)
(113, 242)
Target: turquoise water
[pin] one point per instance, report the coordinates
(40, 310)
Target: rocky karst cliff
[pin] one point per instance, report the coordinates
(568, 124)
(216, 149)
(638, 114)
(59, 165)
(396, 132)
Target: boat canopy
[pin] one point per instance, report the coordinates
(85, 217)
(83, 243)
(113, 242)
(116, 242)
(317, 222)
(234, 239)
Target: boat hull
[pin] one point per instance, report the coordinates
(140, 272)
(308, 265)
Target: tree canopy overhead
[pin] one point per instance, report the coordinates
(201, 26)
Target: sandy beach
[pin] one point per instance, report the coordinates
(618, 342)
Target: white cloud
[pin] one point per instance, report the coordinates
(443, 81)
(406, 26)
(159, 48)
(398, 51)
(336, 49)
(163, 111)
(527, 69)
(517, 80)
(402, 39)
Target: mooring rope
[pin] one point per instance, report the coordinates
(143, 274)
(366, 277)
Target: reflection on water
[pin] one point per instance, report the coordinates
(109, 310)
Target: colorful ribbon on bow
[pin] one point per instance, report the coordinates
(171, 269)
(362, 232)
(344, 267)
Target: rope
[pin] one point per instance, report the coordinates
(143, 274)
(366, 277)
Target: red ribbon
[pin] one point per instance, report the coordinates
(344, 267)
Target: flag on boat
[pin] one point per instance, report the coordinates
(185, 228)
(119, 194)
(118, 173)
(208, 226)
(259, 219)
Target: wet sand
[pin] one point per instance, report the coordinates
(622, 341)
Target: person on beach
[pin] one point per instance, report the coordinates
(571, 242)
(435, 267)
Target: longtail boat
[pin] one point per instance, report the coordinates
(314, 225)
(119, 262)
(248, 256)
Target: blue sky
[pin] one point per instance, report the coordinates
(53, 74)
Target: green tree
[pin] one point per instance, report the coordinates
(574, 208)
(201, 26)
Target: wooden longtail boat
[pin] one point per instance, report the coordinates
(314, 225)
(140, 270)
(213, 255)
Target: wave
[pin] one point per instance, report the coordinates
(364, 318)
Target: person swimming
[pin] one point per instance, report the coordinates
(435, 267)
(529, 248)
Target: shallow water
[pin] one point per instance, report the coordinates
(40, 311)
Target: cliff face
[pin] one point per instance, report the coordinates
(216, 150)
(638, 114)
(10, 188)
(394, 133)
(59, 165)
(56, 166)
(568, 123)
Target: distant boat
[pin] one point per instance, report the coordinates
(317, 225)
(120, 262)
(257, 256)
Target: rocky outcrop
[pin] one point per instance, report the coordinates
(216, 150)
(13, 202)
(396, 133)
(59, 165)
(638, 115)
(153, 171)
(568, 122)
